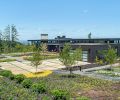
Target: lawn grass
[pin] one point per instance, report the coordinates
(7, 60)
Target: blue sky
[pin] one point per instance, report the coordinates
(74, 18)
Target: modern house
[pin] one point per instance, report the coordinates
(90, 47)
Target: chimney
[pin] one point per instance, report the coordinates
(44, 36)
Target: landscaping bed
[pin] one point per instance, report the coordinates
(114, 72)
(57, 85)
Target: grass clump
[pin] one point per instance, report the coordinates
(19, 78)
(26, 83)
(39, 87)
(60, 94)
(8, 74)
(5, 73)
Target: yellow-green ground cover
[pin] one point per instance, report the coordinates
(38, 74)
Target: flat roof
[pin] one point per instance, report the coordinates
(78, 39)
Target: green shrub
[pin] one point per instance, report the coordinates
(5, 73)
(39, 87)
(12, 77)
(60, 95)
(19, 78)
(26, 83)
(10, 90)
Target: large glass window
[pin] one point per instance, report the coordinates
(85, 56)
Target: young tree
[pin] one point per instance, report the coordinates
(108, 56)
(67, 58)
(36, 59)
(43, 48)
(25, 49)
(78, 56)
(99, 61)
(111, 56)
(14, 36)
(34, 48)
(19, 47)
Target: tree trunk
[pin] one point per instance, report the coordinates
(111, 67)
(70, 71)
(80, 68)
(36, 69)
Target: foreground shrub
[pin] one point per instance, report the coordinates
(60, 95)
(5, 73)
(26, 83)
(12, 77)
(39, 87)
(19, 78)
(10, 90)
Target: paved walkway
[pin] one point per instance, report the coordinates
(22, 66)
(13, 68)
(100, 67)
(88, 72)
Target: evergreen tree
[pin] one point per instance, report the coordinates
(6, 39)
(14, 36)
(10, 37)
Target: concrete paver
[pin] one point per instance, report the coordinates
(22, 66)
(14, 69)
